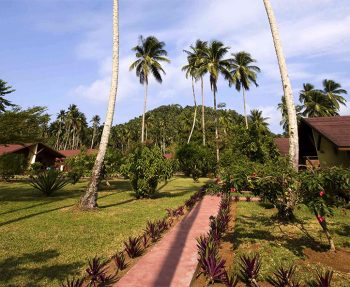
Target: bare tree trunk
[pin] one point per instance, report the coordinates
(287, 88)
(144, 113)
(89, 199)
(216, 131)
(195, 112)
(245, 110)
(203, 110)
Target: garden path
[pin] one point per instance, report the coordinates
(173, 260)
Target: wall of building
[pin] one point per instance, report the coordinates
(328, 154)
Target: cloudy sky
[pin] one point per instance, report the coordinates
(58, 52)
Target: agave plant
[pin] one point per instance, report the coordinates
(152, 229)
(284, 277)
(213, 268)
(49, 181)
(230, 280)
(133, 247)
(97, 273)
(324, 279)
(73, 282)
(249, 269)
(119, 260)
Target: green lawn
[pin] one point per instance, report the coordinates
(44, 239)
(278, 244)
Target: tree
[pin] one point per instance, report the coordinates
(89, 199)
(334, 91)
(150, 53)
(95, 125)
(243, 74)
(258, 121)
(5, 90)
(214, 63)
(287, 88)
(282, 106)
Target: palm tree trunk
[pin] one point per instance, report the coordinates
(89, 199)
(203, 110)
(287, 88)
(195, 112)
(245, 109)
(216, 130)
(93, 138)
(144, 113)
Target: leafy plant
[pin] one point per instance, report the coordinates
(249, 269)
(73, 282)
(74, 176)
(132, 247)
(213, 268)
(230, 280)
(152, 229)
(97, 273)
(119, 260)
(11, 164)
(49, 181)
(322, 280)
(284, 277)
(144, 239)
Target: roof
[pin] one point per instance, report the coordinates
(282, 145)
(74, 152)
(11, 148)
(336, 129)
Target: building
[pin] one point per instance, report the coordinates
(33, 152)
(73, 152)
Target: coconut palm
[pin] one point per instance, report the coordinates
(243, 74)
(150, 53)
(282, 106)
(89, 199)
(334, 91)
(95, 125)
(5, 90)
(287, 88)
(214, 63)
(258, 121)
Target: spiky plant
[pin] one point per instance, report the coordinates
(144, 240)
(73, 282)
(323, 279)
(49, 181)
(97, 273)
(249, 269)
(284, 277)
(230, 279)
(152, 229)
(119, 260)
(213, 268)
(133, 247)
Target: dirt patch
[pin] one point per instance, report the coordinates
(338, 261)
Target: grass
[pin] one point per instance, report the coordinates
(45, 239)
(280, 244)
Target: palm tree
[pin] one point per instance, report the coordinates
(287, 88)
(5, 90)
(258, 121)
(333, 91)
(89, 199)
(95, 125)
(282, 106)
(214, 63)
(149, 53)
(243, 74)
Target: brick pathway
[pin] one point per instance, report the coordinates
(173, 260)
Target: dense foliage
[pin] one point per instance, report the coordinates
(49, 181)
(11, 165)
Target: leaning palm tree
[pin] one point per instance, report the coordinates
(243, 74)
(287, 88)
(214, 63)
(89, 199)
(150, 53)
(333, 91)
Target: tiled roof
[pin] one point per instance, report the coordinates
(9, 148)
(73, 152)
(282, 145)
(335, 129)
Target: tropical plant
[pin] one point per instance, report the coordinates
(89, 199)
(284, 277)
(324, 279)
(119, 260)
(49, 181)
(214, 64)
(230, 280)
(95, 126)
(97, 273)
(249, 269)
(213, 268)
(258, 121)
(243, 73)
(287, 88)
(4, 91)
(133, 247)
(333, 92)
(74, 282)
(11, 164)
(74, 175)
(152, 229)
(282, 106)
(150, 53)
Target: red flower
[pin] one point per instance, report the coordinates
(322, 193)
(232, 189)
(320, 218)
(253, 174)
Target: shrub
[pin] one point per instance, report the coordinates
(74, 175)
(133, 247)
(145, 168)
(82, 162)
(97, 273)
(119, 260)
(11, 164)
(48, 182)
(249, 269)
(284, 277)
(35, 168)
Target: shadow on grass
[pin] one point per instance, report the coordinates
(19, 269)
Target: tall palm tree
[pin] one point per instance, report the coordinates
(258, 121)
(214, 63)
(287, 88)
(333, 91)
(243, 74)
(150, 53)
(89, 199)
(282, 106)
(95, 125)
(5, 90)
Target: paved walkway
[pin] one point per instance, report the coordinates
(173, 260)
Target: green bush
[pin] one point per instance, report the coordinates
(74, 175)
(195, 160)
(11, 164)
(49, 181)
(82, 162)
(145, 167)
(35, 168)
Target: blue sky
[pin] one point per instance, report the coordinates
(57, 52)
